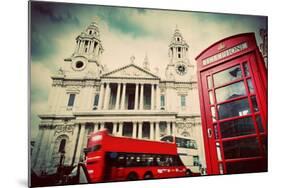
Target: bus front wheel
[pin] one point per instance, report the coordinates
(148, 175)
(132, 176)
(188, 173)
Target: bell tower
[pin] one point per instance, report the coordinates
(178, 48)
(88, 43)
(86, 58)
(177, 69)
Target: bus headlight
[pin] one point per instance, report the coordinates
(96, 138)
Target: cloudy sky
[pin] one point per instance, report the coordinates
(124, 31)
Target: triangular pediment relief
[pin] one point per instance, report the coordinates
(130, 71)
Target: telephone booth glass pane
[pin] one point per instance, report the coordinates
(244, 166)
(234, 108)
(231, 91)
(246, 69)
(260, 127)
(250, 86)
(213, 111)
(227, 75)
(238, 127)
(254, 103)
(243, 148)
(210, 84)
(211, 98)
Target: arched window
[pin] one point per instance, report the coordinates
(62, 145)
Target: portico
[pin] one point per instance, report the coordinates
(140, 92)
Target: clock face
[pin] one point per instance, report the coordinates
(181, 69)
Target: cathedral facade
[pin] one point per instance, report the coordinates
(131, 101)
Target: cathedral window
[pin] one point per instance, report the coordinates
(179, 49)
(71, 100)
(179, 55)
(183, 101)
(90, 32)
(96, 101)
(178, 39)
(162, 102)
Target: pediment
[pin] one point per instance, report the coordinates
(130, 71)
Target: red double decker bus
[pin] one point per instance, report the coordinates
(111, 158)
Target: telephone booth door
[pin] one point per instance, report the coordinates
(234, 115)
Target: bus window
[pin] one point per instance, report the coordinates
(167, 139)
(196, 161)
(121, 161)
(177, 161)
(186, 143)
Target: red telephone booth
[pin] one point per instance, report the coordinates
(232, 87)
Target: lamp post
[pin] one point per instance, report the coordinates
(61, 166)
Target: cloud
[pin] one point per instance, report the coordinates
(124, 32)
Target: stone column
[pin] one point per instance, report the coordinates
(106, 96)
(95, 127)
(123, 97)
(140, 130)
(120, 133)
(152, 97)
(114, 132)
(174, 128)
(157, 97)
(134, 129)
(157, 131)
(80, 46)
(118, 97)
(77, 46)
(136, 96)
(141, 97)
(81, 49)
(101, 96)
(151, 130)
(90, 47)
(101, 125)
(169, 128)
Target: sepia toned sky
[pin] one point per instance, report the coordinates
(124, 31)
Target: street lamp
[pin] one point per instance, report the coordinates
(60, 167)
